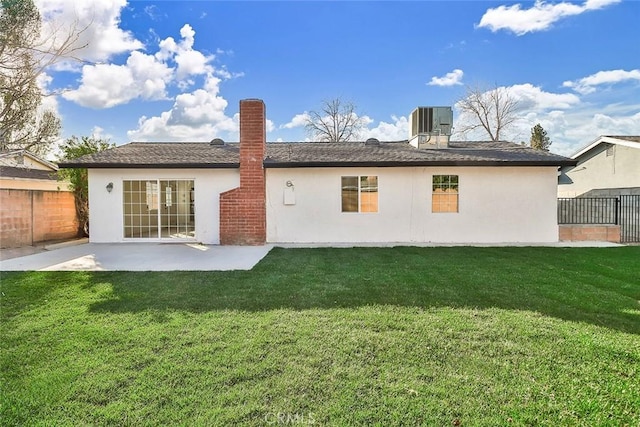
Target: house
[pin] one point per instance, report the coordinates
(607, 167)
(35, 206)
(23, 170)
(424, 189)
(602, 191)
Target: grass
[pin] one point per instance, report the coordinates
(367, 336)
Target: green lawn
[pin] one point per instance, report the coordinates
(368, 336)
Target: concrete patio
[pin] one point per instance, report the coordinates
(138, 257)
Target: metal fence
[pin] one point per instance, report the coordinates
(588, 210)
(629, 220)
(623, 211)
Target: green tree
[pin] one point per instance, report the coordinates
(73, 148)
(24, 59)
(539, 139)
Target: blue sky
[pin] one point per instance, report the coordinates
(175, 71)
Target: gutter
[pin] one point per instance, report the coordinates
(68, 165)
(388, 164)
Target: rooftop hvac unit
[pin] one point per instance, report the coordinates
(430, 127)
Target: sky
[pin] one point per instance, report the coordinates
(176, 70)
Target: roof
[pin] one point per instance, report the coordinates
(306, 154)
(25, 173)
(25, 153)
(625, 140)
(161, 155)
(401, 153)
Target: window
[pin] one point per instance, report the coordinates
(359, 194)
(158, 209)
(444, 197)
(152, 195)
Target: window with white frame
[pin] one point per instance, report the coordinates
(156, 208)
(360, 193)
(444, 194)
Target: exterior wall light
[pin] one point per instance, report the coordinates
(110, 187)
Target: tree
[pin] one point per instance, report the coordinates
(78, 177)
(493, 110)
(337, 121)
(539, 139)
(24, 59)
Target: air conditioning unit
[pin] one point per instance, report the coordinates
(430, 127)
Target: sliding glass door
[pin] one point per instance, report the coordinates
(155, 209)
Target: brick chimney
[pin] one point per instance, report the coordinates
(243, 209)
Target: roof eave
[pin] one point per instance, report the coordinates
(606, 139)
(70, 165)
(284, 165)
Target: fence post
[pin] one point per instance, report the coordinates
(617, 210)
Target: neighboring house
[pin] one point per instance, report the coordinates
(252, 192)
(23, 170)
(607, 167)
(34, 206)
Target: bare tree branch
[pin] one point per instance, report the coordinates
(337, 121)
(24, 58)
(493, 110)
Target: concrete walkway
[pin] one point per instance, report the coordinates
(139, 257)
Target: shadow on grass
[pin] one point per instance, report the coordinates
(598, 286)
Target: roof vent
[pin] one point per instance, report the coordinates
(372, 141)
(430, 127)
(217, 141)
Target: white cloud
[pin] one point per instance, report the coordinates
(144, 76)
(587, 84)
(299, 120)
(190, 61)
(572, 129)
(108, 85)
(98, 23)
(532, 102)
(152, 12)
(195, 116)
(98, 133)
(49, 102)
(533, 97)
(541, 16)
(450, 79)
(569, 122)
(270, 126)
(398, 130)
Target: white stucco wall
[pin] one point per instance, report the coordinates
(597, 170)
(496, 204)
(106, 212)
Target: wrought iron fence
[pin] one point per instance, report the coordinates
(630, 219)
(623, 211)
(588, 210)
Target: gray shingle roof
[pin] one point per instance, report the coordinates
(401, 153)
(161, 155)
(26, 173)
(305, 154)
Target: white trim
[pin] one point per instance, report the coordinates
(32, 156)
(608, 140)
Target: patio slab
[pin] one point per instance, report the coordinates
(140, 257)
